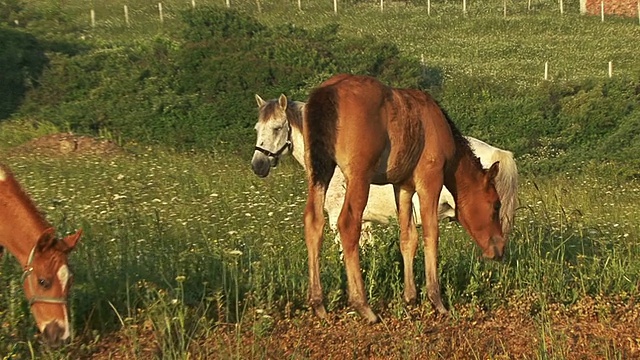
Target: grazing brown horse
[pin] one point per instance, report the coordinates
(46, 277)
(381, 135)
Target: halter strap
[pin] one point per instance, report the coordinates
(287, 145)
(28, 269)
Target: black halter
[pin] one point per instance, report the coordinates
(288, 145)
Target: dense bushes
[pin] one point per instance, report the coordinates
(555, 126)
(22, 60)
(195, 90)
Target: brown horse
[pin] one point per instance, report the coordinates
(46, 277)
(381, 135)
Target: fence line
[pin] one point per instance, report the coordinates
(335, 3)
(546, 69)
(335, 9)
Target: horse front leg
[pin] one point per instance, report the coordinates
(350, 227)
(429, 214)
(313, 230)
(408, 240)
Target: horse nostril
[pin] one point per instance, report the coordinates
(53, 334)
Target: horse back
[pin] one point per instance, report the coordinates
(358, 122)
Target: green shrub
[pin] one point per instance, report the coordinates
(197, 91)
(22, 61)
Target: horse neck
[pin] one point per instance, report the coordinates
(463, 176)
(297, 139)
(21, 233)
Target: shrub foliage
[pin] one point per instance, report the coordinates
(194, 89)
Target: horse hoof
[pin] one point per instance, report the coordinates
(442, 310)
(320, 311)
(369, 315)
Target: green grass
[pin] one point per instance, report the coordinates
(183, 242)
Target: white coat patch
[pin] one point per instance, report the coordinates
(63, 276)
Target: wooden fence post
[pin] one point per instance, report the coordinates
(93, 18)
(546, 70)
(160, 12)
(126, 15)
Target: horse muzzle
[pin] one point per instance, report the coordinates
(495, 250)
(262, 164)
(53, 335)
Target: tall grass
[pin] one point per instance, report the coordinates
(177, 244)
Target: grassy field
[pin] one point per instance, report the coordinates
(180, 244)
(189, 255)
(482, 42)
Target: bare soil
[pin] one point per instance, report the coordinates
(66, 144)
(591, 329)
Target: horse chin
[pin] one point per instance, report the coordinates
(261, 173)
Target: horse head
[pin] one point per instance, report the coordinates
(46, 282)
(273, 134)
(479, 212)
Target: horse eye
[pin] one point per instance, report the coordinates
(277, 129)
(44, 283)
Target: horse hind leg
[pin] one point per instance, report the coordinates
(313, 233)
(350, 227)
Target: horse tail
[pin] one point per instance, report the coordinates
(320, 124)
(507, 187)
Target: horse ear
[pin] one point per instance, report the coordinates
(46, 239)
(72, 240)
(282, 101)
(493, 172)
(259, 100)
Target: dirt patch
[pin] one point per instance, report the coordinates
(588, 330)
(66, 144)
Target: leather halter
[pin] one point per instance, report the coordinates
(288, 145)
(28, 269)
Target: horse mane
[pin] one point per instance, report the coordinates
(295, 109)
(507, 187)
(462, 144)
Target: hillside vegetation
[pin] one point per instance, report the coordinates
(189, 82)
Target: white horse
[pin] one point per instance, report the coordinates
(279, 132)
